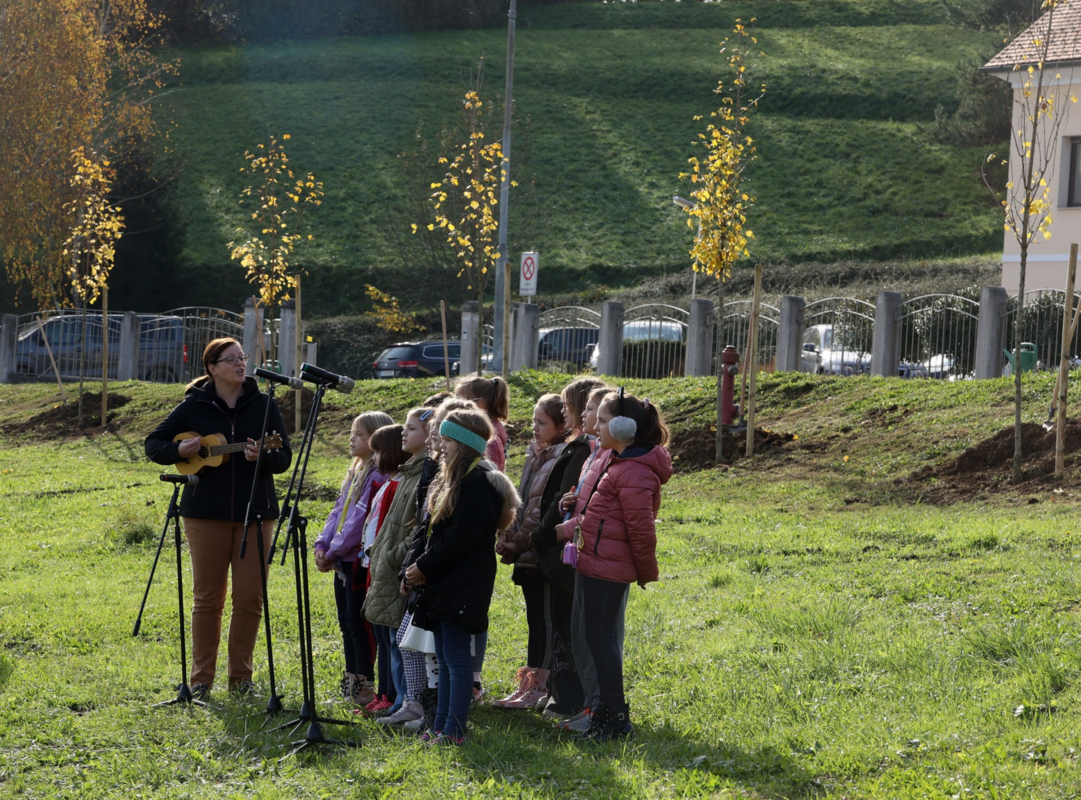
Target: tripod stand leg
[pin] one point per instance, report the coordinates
(184, 695)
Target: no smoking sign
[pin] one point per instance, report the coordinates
(527, 275)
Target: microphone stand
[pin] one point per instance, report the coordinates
(297, 535)
(274, 702)
(183, 694)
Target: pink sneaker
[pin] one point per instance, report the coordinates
(521, 676)
(534, 688)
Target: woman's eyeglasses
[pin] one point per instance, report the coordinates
(233, 359)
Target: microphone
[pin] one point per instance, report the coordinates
(292, 383)
(315, 374)
(190, 480)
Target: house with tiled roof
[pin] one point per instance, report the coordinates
(1056, 37)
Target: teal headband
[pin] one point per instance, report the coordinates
(452, 430)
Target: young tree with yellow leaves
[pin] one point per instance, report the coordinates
(76, 76)
(90, 249)
(277, 199)
(1040, 110)
(720, 201)
(465, 204)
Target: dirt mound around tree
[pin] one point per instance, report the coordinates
(62, 420)
(696, 448)
(988, 464)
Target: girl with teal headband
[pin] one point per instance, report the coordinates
(469, 502)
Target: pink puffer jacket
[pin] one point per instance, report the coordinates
(619, 541)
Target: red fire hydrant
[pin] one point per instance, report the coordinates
(729, 371)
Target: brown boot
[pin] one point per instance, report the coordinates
(363, 691)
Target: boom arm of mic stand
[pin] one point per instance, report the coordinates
(300, 470)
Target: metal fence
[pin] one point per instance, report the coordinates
(566, 338)
(654, 341)
(938, 336)
(202, 325)
(736, 331)
(52, 343)
(837, 336)
(1041, 325)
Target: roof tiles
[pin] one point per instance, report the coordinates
(1063, 44)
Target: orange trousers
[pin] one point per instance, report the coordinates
(215, 552)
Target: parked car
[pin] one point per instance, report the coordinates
(644, 330)
(939, 366)
(909, 369)
(573, 345)
(162, 354)
(420, 359)
(820, 357)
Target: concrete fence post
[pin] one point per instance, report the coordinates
(991, 332)
(790, 334)
(470, 332)
(253, 332)
(287, 338)
(9, 337)
(128, 363)
(610, 343)
(699, 339)
(886, 347)
(514, 358)
(311, 353)
(528, 319)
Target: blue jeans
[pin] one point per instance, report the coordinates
(391, 657)
(480, 645)
(455, 678)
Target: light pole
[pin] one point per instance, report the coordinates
(689, 206)
(500, 320)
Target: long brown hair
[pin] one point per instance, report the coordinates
(386, 444)
(443, 496)
(211, 353)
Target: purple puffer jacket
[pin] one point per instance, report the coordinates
(619, 541)
(346, 544)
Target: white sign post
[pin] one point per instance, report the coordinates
(527, 275)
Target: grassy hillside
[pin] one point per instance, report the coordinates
(605, 96)
(825, 625)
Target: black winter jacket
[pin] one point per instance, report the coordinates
(458, 561)
(562, 479)
(223, 492)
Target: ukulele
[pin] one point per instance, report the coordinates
(215, 450)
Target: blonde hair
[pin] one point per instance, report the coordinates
(370, 421)
(443, 496)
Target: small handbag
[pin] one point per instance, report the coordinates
(418, 639)
(570, 554)
(570, 549)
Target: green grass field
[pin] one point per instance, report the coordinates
(820, 628)
(606, 95)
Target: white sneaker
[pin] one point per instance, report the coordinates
(409, 712)
(414, 725)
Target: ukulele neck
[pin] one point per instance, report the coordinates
(224, 449)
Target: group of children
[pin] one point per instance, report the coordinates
(425, 511)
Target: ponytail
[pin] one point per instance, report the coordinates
(650, 428)
(493, 391)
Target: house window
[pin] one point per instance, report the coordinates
(1074, 197)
